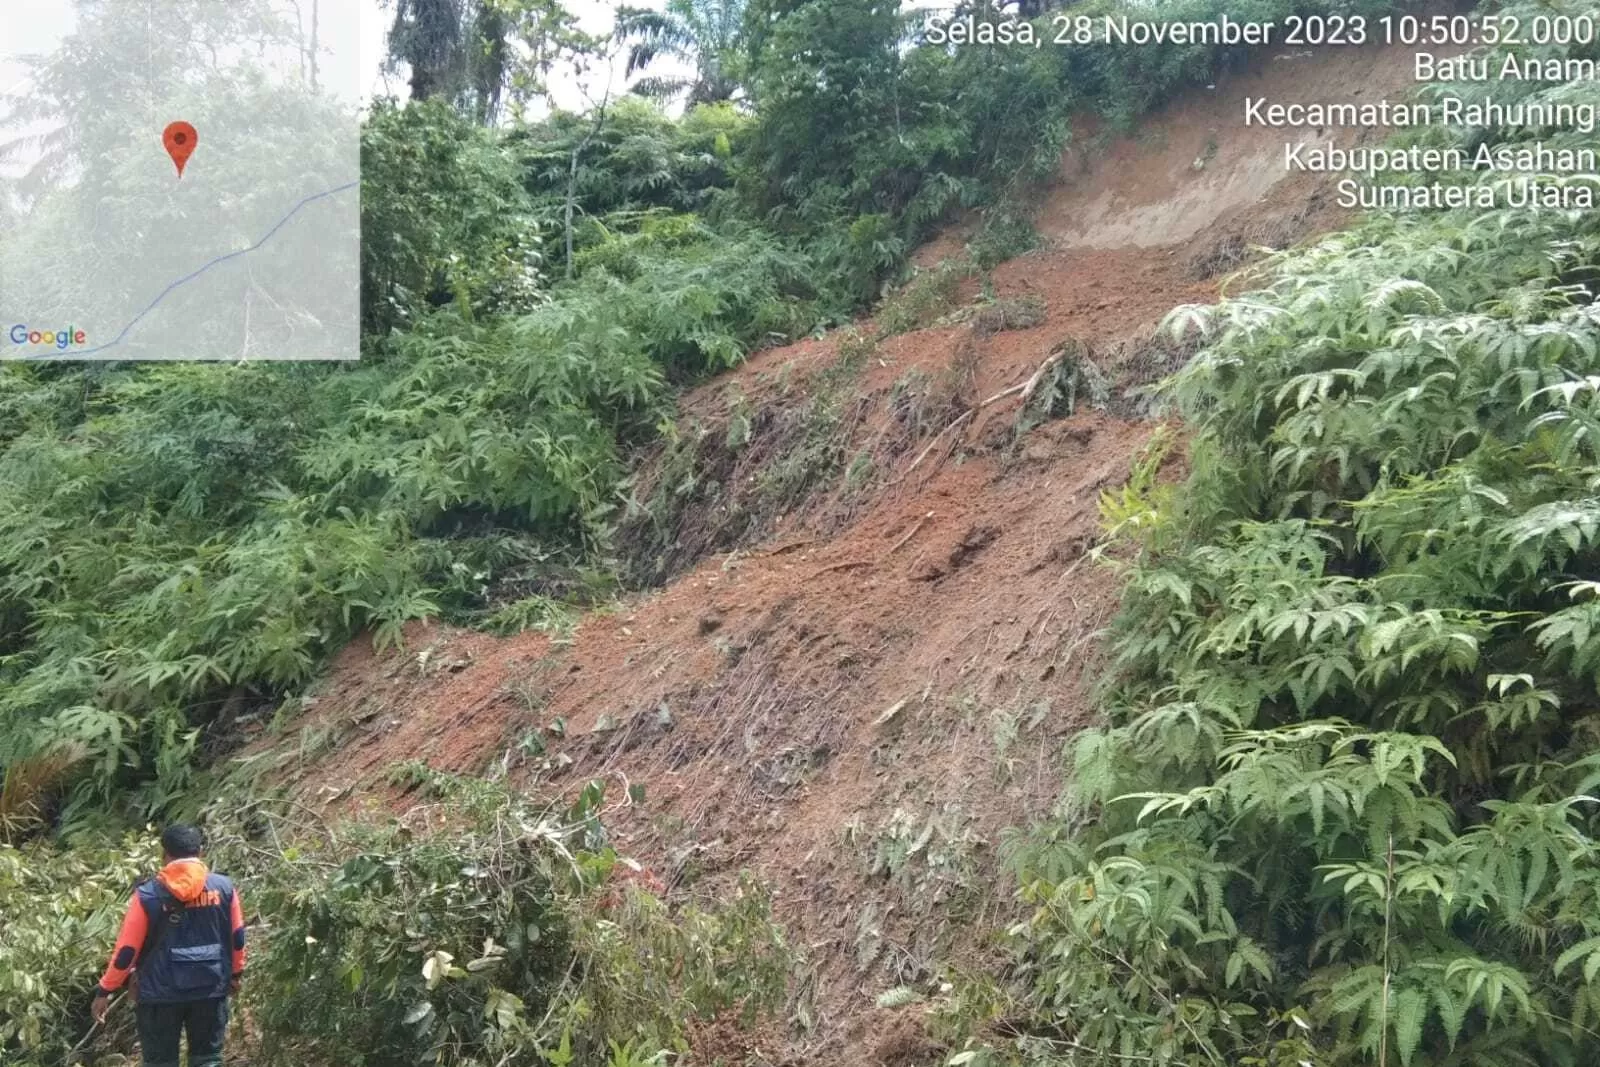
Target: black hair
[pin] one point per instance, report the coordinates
(181, 842)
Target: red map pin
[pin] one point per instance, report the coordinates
(180, 140)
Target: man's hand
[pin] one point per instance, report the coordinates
(99, 1007)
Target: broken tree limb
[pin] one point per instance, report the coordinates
(1004, 393)
(791, 546)
(1032, 384)
(909, 535)
(937, 437)
(1029, 387)
(843, 566)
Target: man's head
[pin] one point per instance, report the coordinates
(180, 842)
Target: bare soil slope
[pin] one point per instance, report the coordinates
(891, 661)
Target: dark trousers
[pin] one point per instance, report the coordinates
(160, 1025)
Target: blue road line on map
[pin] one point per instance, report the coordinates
(186, 279)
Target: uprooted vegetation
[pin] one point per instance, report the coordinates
(811, 443)
(723, 480)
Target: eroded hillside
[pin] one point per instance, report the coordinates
(877, 623)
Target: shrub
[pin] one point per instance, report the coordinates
(61, 911)
(505, 931)
(1343, 807)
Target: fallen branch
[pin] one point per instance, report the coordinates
(1005, 393)
(936, 439)
(791, 546)
(1029, 387)
(1038, 375)
(909, 535)
(843, 566)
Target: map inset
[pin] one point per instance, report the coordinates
(179, 180)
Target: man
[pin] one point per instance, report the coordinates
(184, 932)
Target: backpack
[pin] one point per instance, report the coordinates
(171, 912)
(188, 944)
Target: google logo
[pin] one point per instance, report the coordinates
(62, 339)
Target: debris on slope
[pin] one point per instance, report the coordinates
(877, 627)
(855, 720)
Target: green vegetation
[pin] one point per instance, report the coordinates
(506, 933)
(1338, 814)
(1341, 813)
(179, 540)
(709, 33)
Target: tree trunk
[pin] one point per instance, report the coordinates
(316, 32)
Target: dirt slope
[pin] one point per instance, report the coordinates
(870, 668)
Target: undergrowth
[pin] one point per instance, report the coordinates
(491, 931)
(717, 485)
(181, 541)
(1344, 804)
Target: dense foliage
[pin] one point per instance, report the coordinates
(505, 932)
(1344, 809)
(60, 910)
(1339, 815)
(484, 57)
(179, 544)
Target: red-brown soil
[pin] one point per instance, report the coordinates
(872, 663)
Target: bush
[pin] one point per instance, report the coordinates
(505, 931)
(444, 218)
(61, 911)
(1343, 810)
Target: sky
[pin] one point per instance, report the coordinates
(31, 26)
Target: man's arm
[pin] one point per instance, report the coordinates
(237, 924)
(126, 953)
(123, 957)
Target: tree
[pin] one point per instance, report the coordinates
(482, 55)
(434, 38)
(310, 49)
(710, 34)
(829, 86)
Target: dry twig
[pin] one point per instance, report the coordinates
(909, 535)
